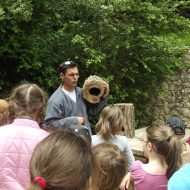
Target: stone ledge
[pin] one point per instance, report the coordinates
(137, 144)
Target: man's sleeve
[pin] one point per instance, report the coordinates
(94, 109)
(55, 118)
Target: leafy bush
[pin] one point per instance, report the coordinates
(135, 45)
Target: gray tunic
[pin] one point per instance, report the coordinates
(61, 109)
(121, 142)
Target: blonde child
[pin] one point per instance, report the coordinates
(163, 151)
(4, 105)
(18, 139)
(108, 129)
(111, 166)
(62, 160)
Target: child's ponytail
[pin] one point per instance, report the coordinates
(167, 145)
(173, 156)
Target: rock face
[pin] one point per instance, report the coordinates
(174, 98)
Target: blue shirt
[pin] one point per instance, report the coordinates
(180, 180)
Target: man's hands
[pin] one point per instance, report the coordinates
(81, 120)
(106, 89)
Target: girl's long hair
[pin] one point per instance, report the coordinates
(110, 122)
(63, 160)
(166, 144)
(111, 167)
(27, 100)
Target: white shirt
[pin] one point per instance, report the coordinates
(71, 94)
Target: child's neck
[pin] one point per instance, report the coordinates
(156, 164)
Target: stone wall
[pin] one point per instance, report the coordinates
(174, 98)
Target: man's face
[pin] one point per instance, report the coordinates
(70, 77)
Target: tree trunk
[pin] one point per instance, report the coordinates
(129, 119)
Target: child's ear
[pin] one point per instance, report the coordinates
(89, 184)
(150, 147)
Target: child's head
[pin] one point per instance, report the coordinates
(177, 125)
(4, 106)
(79, 130)
(62, 160)
(27, 100)
(163, 142)
(111, 167)
(110, 122)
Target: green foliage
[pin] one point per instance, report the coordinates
(135, 45)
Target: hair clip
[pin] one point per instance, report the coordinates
(41, 181)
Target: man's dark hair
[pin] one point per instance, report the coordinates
(65, 65)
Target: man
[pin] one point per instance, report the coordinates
(67, 105)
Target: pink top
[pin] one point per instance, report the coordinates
(17, 142)
(144, 181)
(188, 141)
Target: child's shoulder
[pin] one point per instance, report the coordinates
(121, 137)
(136, 169)
(136, 164)
(186, 153)
(188, 141)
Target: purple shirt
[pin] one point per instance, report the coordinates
(144, 181)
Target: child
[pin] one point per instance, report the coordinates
(180, 179)
(111, 167)
(18, 139)
(3, 112)
(79, 130)
(163, 150)
(108, 128)
(177, 125)
(62, 160)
